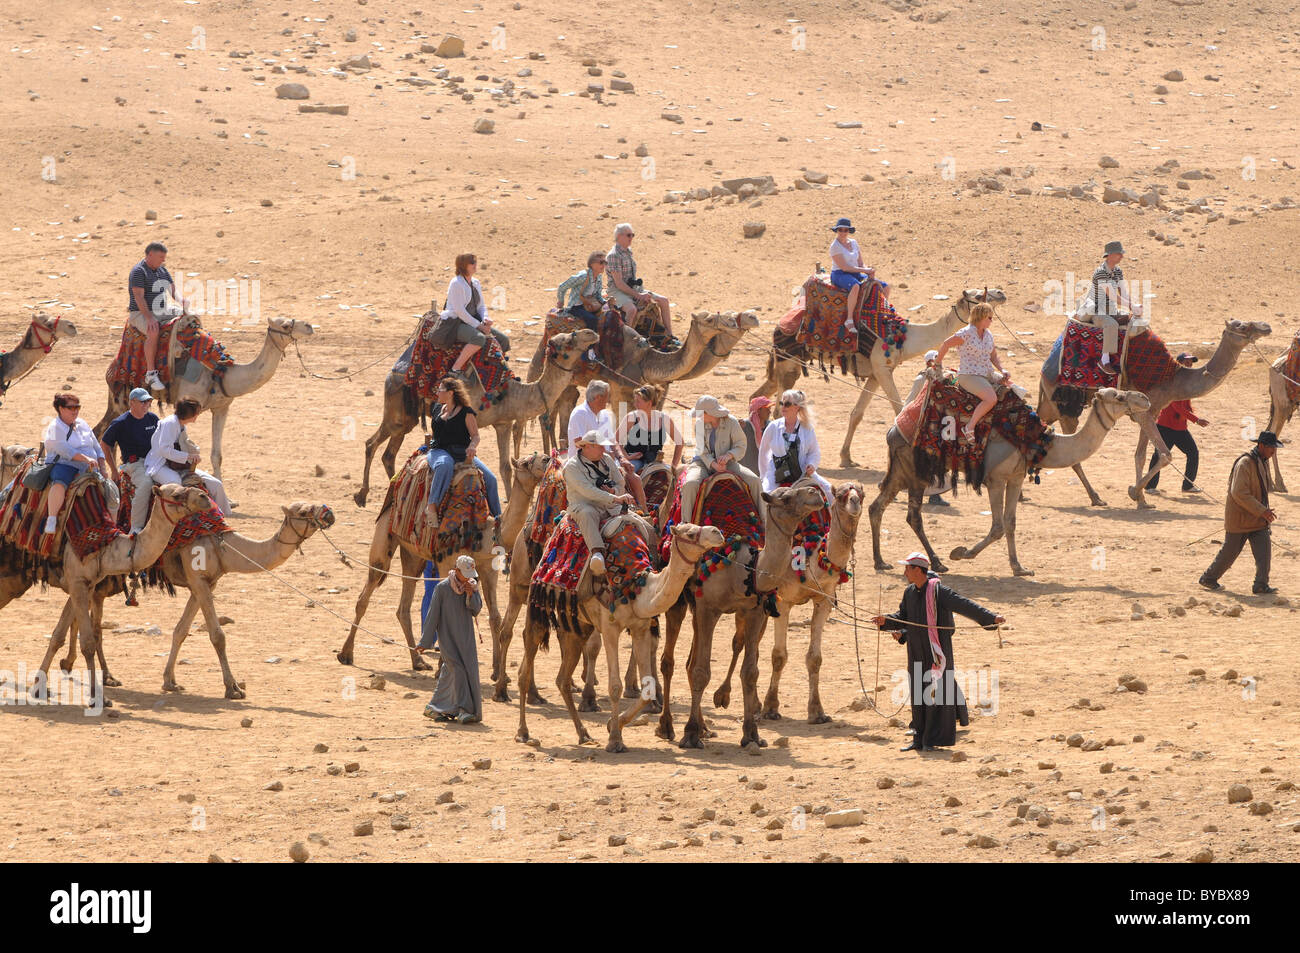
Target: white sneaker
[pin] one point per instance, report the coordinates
(153, 381)
(597, 564)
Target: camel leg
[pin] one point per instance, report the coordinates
(821, 610)
(1068, 426)
(532, 639)
(888, 490)
(704, 620)
(643, 652)
(855, 418)
(378, 573)
(781, 628)
(590, 651)
(884, 375)
(201, 590)
(67, 625)
(915, 498)
(631, 684)
(1277, 419)
(80, 596)
(1148, 432)
(609, 633)
(571, 649)
(501, 645)
(1009, 521)
(675, 616)
(219, 414)
(178, 639)
(996, 530)
(561, 412)
(503, 427)
(97, 615)
(753, 622)
(722, 696)
(412, 570)
(372, 444)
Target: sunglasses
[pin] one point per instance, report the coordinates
(70, 407)
(788, 403)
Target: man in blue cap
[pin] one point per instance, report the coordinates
(132, 434)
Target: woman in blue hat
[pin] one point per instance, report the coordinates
(847, 270)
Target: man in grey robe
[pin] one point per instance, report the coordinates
(450, 622)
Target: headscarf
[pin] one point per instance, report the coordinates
(758, 412)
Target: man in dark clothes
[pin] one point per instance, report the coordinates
(1247, 515)
(924, 622)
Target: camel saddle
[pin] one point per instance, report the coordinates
(1291, 370)
(424, 363)
(657, 479)
(723, 501)
(85, 521)
(184, 350)
(190, 528)
(822, 326)
(462, 517)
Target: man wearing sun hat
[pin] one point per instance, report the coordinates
(450, 623)
(924, 622)
(132, 433)
(1106, 300)
(1247, 516)
(597, 491)
(720, 443)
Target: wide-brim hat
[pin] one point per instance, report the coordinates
(920, 560)
(1269, 439)
(594, 437)
(843, 223)
(1114, 248)
(465, 566)
(708, 404)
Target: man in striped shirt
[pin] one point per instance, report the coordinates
(1107, 300)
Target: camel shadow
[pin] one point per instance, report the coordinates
(1025, 589)
(1125, 514)
(861, 474)
(77, 715)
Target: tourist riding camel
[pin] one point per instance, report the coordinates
(455, 440)
(625, 290)
(595, 485)
(70, 450)
(979, 357)
(848, 273)
(464, 318)
(646, 429)
(582, 295)
(172, 454)
(789, 451)
(594, 414)
(1107, 300)
(132, 435)
(150, 286)
(719, 445)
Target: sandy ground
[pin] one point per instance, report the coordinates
(353, 222)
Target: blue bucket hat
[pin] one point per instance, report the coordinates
(844, 223)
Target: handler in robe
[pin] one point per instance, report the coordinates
(450, 621)
(924, 622)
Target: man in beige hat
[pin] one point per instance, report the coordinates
(597, 490)
(720, 443)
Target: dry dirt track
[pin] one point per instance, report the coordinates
(202, 140)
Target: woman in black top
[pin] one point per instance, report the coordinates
(644, 432)
(455, 440)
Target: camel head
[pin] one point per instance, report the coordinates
(695, 540)
(56, 325)
(307, 518)
(848, 500)
(530, 469)
(566, 350)
(972, 296)
(789, 505)
(295, 329)
(11, 458)
(1249, 331)
(1128, 403)
(747, 320)
(189, 498)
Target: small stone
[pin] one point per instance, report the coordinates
(274, 786)
(151, 216)
(1202, 856)
(298, 852)
(1108, 767)
(485, 126)
(321, 748)
(952, 802)
(754, 229)
(334, 770)
(363, 828)
(617, 840)
(1108, 162)
(1260, 808)
(481, 764)
(982, 840)
(1173, 76)
(848, 818)
(1239, 793)
(959, 756)
(446, 797)
(352, 767)
(642, 150)
(816, 178)
(884, 784)
(671, 117)
(621, 85)
(292, 91)
(1075, 740)
(245, 722)
(266, 203)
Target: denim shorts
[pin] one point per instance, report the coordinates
(846, 280)
(65, 473)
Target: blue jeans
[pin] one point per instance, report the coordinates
(442, 463)
(430, 580)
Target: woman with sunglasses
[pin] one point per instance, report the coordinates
(848, 273)
(789, 450)
(646, 429)
(72, 447)
(455, 440)
(584, 291)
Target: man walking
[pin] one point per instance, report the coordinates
(1247, 516)
(1172, 424)
(924, 622)
(450, 623)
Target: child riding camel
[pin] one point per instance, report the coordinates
(978, 359)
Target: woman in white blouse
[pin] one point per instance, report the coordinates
(465, 303)
(172, 452)
(73, 449)
(789, 448)
(978, 359)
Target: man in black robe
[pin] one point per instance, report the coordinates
(932, 686)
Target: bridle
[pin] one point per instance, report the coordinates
(287, 335)
(34, 333)
(314, 523)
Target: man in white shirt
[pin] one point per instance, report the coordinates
(173, 448)
(594, 414)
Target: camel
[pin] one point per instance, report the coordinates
(198, 568)
(661, 590)
(125, 554)
(413, 558)
(11, 458)
(522, 401)
(783, 372)
(36, 342)
(1186, 384)
(728, 591)
(1005, 469)
(818, 587)
(1280, 411)
(710, 338)
(239, 379)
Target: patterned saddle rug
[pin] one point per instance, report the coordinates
(822, 328)
(462, 518)
(1147, 363)
(1291, 368)
(427, 364)
(608, 350)
(553, 588)
(724, 502)
(128, 369)
(552, 501)
(192, 527)
(657, 480)
(937, 447)
(85, 522)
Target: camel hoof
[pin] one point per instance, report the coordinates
(846, 462)
(66, 664)
(938, 566)
(654, 707)
(173, 687)
(1098, 501)
(536, 699)
(690, 741)
(771, 714)
(586, 739)
(1133, 494)
(1021, 571)
(111, 682)
(420, 665)
(235, 692)
(665, 732)
(820, 718)
(721, 698)
(615, 747)
(521, 737)
(501, 695)
(631, 692)
(359, 497)
(882, 566)
(752, 739)
(343, 659)
(958, 554)
(588, 705)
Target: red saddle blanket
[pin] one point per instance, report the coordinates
(462, 518)
(552, 501)
(822, 328)
(430, 364)
(656, 480)
(937, 445)
(192, 527)
(85, 522)
(724, 502)
(128, 369)
(552, 593)
(1147, 361)
(1291, 369)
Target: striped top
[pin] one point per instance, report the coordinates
(1102, 279)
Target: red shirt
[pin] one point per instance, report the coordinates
(1177, 415)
